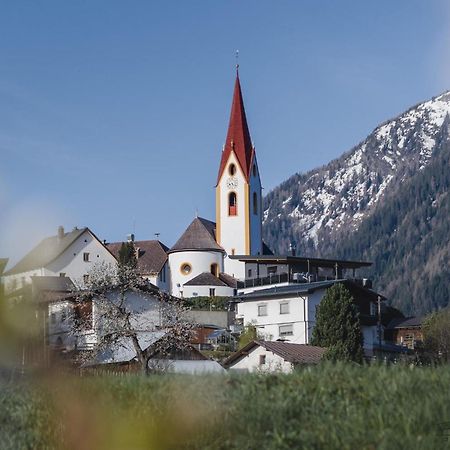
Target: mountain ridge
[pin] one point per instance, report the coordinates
(319, 209)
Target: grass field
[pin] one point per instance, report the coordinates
(324, 407)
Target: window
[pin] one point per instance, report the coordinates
(373, 309)
(272, 269)
(254, 170)
(214, 269)
(249, 273)
(284, 308)
(53, 318)
(231, 169)
(212, 292)
(262, 310)
(86, 257)
(186, 268)
(255, 203)
(232, 204)
(262, 360)
(62, 274)
(286, 330)
(86, 279)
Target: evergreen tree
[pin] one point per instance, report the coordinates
(127, 255)
(337, 326)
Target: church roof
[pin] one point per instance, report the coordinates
(199, 235)
(151, 257)
(238, 136)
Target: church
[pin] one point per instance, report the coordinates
(201, 262)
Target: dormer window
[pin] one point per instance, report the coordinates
(232, 204)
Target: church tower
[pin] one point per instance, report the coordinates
(238, 192)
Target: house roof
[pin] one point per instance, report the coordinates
(205, 279)
(56, 284)
(152, 255)
(46, 251)
(208, 279)
(298, 289)
(301, 260)
(408, 322)
(199, 235)
(238, 136)
(3, 263)
(293, 353)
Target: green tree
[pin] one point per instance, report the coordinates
(436, 335)
(127, 255)
(337, 326)
(249, 334)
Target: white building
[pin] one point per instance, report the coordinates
(273, 356)
(288, 312)
(71, 254)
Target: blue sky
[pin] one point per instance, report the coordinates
(113, 114)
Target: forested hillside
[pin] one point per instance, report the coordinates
(386, 200)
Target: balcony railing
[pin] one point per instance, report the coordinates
(278, 278)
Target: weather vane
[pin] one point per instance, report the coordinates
(237, 59)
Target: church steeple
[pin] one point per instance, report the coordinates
(238, 135)
(238, 192)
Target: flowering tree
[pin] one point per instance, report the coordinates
(130, 316)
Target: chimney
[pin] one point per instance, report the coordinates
(60, 232)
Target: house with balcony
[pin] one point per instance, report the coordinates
(280, 294)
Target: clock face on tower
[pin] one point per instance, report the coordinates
(232, 183)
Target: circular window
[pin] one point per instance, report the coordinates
(185, 268)
(232, 169)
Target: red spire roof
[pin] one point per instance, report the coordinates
(238, 136)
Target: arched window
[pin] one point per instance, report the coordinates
(215, 269)
(232, 204)
(255, 203)
(231, 169)
(254, 170)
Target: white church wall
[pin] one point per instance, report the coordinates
(200, 261)
(232, 229)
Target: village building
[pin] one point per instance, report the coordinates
(70, 254)
(273, 356)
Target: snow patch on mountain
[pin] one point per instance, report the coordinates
(337, 197)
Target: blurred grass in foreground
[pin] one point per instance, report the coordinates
(323, 407)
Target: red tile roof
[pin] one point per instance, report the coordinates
(238, 136)
(152, 255)
(293, 353)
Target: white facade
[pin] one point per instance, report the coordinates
(239, 233)
(75, 262)
(161, 279)
(206, 291)
(291, 318)
(262, 360)
(80, 257)
(146, 316)
(198, 261)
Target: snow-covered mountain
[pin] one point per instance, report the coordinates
(318, 206)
